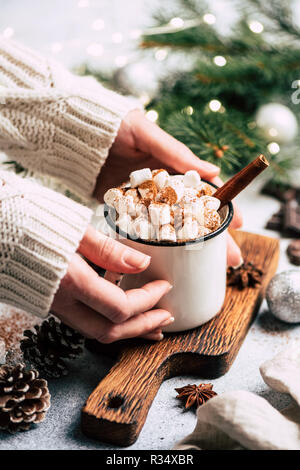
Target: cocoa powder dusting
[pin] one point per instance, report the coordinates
(155, 172)
(168, 195)
(151, 189)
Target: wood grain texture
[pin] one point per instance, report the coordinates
(117, 409)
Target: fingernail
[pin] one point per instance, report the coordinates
(170, 287)
(135, 259)
(157, 337)
(239, 264)
(168, 321)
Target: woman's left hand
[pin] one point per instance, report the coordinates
(142, 144)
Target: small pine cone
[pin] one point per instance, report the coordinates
(24, 398)
(51, 341)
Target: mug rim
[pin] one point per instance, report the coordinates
(204, 238)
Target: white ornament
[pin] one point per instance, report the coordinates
(283, 296)
(278, 122)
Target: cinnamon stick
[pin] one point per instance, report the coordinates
(238, 182)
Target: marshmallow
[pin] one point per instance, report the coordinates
(189, 196)
(143, 228)
(167, 233)
(200, 214)
(177, 216)
(191, 179)
(140, 176)
(141, 209)
(148, 191)
(112, 195)
(159, 213)
(171, 194)
(212, 219)
(125, 205)
(178, 186)
(192, 210)
(189, 231)
(160, 178)
(174, 179)
(210, 202)
(134, 193)
(125, 224)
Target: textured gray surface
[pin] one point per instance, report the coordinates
(167, 422)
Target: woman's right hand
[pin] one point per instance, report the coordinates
(98, 308)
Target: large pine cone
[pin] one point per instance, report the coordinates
(51, 342)
(24, 399)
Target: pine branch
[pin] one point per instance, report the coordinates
(217, 138)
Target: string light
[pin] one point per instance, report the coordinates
(161, 54)
(256, 26)
(94, 49)
(215, 105)
(121, 60)
(117, 38)
(189, 110)
(152, 115)
(56, 47)
(209, 18)
(98, 24)
(273, 148)
(177, 22)
(8, 32)
(220, 61)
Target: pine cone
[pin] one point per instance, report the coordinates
(51, 342)
(24, 399)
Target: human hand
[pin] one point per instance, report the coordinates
(142, 144)
(98, 308)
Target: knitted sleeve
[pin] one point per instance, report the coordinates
(39, 232)
(54, 122)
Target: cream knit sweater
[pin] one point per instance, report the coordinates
(54, 123)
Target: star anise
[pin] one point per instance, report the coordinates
(247, 275)
(195, 395)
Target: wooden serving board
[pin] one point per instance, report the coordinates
(117, 409)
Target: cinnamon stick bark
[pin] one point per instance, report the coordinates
(238, 182)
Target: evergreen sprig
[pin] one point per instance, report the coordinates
(220, 139)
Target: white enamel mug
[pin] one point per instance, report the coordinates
(195, 269)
